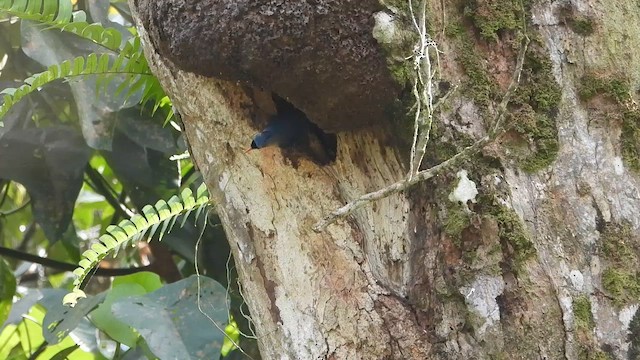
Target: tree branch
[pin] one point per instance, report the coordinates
(59, 265)
(101, 186)
(422, 89)
(496, 128)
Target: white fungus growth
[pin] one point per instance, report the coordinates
(466, 189)
(384, 29)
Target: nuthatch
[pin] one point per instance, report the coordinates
(283, 131)
(290, 128)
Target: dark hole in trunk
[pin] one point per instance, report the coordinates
(291, 130)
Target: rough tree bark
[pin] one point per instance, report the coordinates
(542, 263)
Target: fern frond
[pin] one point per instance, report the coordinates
(142, 225)
(59, 14)
(135, 68)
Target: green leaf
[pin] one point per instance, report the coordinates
(54, 178)
(99, 248)
(64, 11)
(7, 290)
(134, 229)
(60, 319)
(124, 286)
(64, 353)
(117, 233)
(91, 256)
(148, 280)
(108, 241)
(85, 263)
(140, 222)
(173, 309)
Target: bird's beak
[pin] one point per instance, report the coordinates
(249, 149)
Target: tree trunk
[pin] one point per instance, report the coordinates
(542, 263)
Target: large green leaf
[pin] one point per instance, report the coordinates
(49, 163)
(147, 131)
(125, 286)
(140, 167)
(171, 323)
(60, 320)
(18, 113)
(22, 306)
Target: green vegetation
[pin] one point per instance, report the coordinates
(457, 220)
(132, 230)
(514, 243)
(514, 237)
(615, 242)
(542, 144)
(582, 313)
(478, 85)
(580, 24)
(493, 17)
(630, 139)
(84, 147)
(634, 337)
(535, 104)
(622, 285)
(617, 89)
(614, 87)
(621, 279)
(584, 324)
(538, 99)
(591, 353)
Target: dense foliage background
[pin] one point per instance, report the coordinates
(75, 157)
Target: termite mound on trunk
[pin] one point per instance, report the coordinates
(320, 55)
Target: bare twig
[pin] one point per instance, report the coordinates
(422, 88)
(444, 98)
(400, 185)
(495, 129)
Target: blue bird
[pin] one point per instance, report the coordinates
(290, 129)
(283, 131)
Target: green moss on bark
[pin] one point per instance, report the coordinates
(581, 25)
(539, 131)
(578, 23)
(591, 353)
(617, 89)
(494, 17)
(538, 95)
(621, 279)
(623, 285)
(478, 85)
(537, 99)
(517, 248)
(634, 336)
(584, 324)
(457, 220)
(630, 139)
(582, 313)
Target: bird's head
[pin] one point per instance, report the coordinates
(282, 130)
(262, 140)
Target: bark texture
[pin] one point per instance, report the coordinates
(301, 50)
(542, 263)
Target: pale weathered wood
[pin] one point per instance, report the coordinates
(388, 281)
